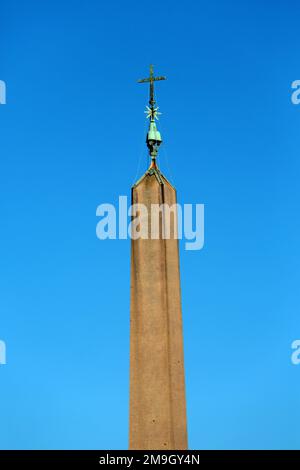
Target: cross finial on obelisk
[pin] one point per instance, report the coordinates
(153, 137)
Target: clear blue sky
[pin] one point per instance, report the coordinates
(72, 133)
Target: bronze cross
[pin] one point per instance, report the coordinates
(151, 79)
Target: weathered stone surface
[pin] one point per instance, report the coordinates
(157, 389)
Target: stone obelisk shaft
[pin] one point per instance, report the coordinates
(157, 389)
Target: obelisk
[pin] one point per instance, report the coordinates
(157, 386)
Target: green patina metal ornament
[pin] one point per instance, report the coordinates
(153, 139)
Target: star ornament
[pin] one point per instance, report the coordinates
(152, 113)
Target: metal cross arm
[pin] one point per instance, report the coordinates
(151, 79)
